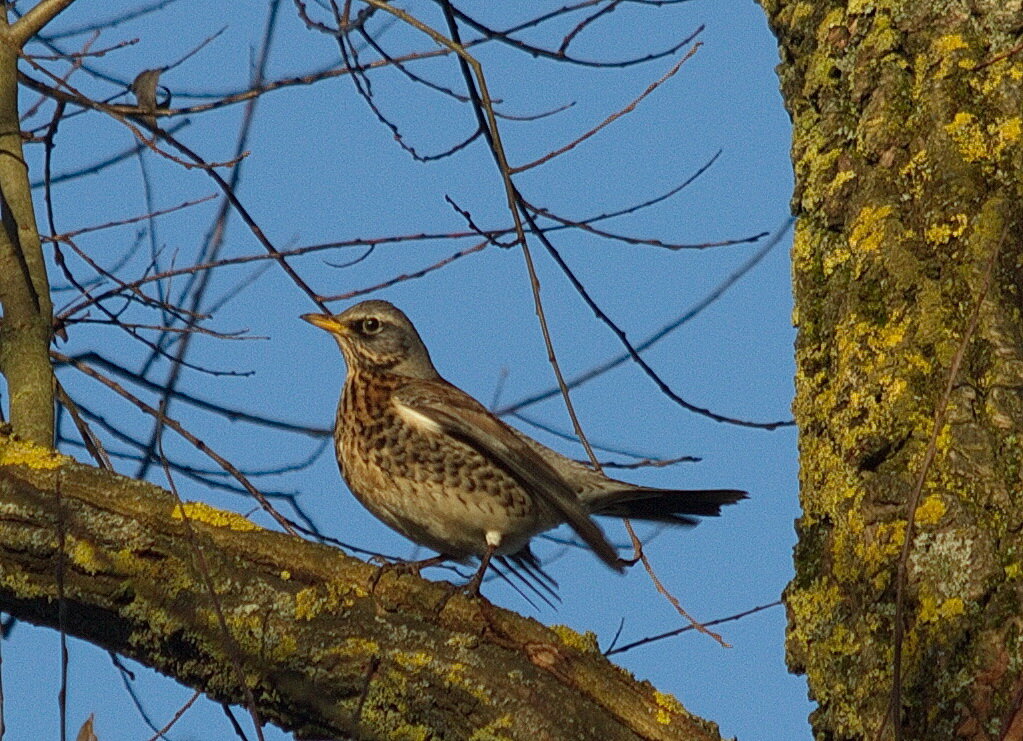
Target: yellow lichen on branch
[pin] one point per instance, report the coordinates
(202, 512)
(15, 452)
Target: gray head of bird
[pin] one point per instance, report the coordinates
(377, 336)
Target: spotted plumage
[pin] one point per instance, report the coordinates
(432, 463)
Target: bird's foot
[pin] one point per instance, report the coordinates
(408, 567)
(629, 562)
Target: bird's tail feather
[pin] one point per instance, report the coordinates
(526, 567)
(672, 506)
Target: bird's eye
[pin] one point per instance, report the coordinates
(371, 325)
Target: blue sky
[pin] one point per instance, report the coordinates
(322, 169)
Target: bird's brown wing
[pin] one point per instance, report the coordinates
(444, 409)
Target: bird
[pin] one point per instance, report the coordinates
(434, 464)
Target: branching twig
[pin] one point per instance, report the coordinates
(176, 717)
(180, 429)
(686, 316)
(612, 649)
(614, 116)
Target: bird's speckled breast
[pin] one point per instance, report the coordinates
(435, 490)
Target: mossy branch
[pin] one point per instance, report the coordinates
(330, 646)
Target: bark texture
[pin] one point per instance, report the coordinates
(26, 324)
(908, 157)
(328, 646)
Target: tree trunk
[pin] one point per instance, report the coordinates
(909, 166)
(329, 646)
(27, 321)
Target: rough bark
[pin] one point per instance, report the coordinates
(909, 165)
(329, 646)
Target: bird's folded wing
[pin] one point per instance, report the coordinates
(446, 410)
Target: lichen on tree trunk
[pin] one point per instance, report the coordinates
(908, 154)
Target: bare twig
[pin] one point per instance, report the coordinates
(66, 236)
(612, 649)
(180, 429)
(686, 316)
(613, 117)
(176, 717)
(95, 358)
(409, 276)
(640, 554)
(634, 354)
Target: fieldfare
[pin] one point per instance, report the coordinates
(432, 463)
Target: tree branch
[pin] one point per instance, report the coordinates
(330, 645)
(34, 20)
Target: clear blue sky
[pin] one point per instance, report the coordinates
(322, 169)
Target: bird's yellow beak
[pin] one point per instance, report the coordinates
(324, 322)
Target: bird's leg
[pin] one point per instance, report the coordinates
(473, 587)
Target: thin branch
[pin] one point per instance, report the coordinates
(616, 450)
(180, 429)
(612, 650)
(89, 439)
(409, 276)
(127, 677)
(588, 227)
(234, 415)
(131, 220)
(76, 97)
(640, 554)
(98, 167)
(111, 22)
(505, 37)
(639, 360)
(78, 55)
(614, 116)
(586, 23)
(689, 314)
(472, 73)
(176, 717)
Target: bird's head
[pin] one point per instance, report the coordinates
(377, 336)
